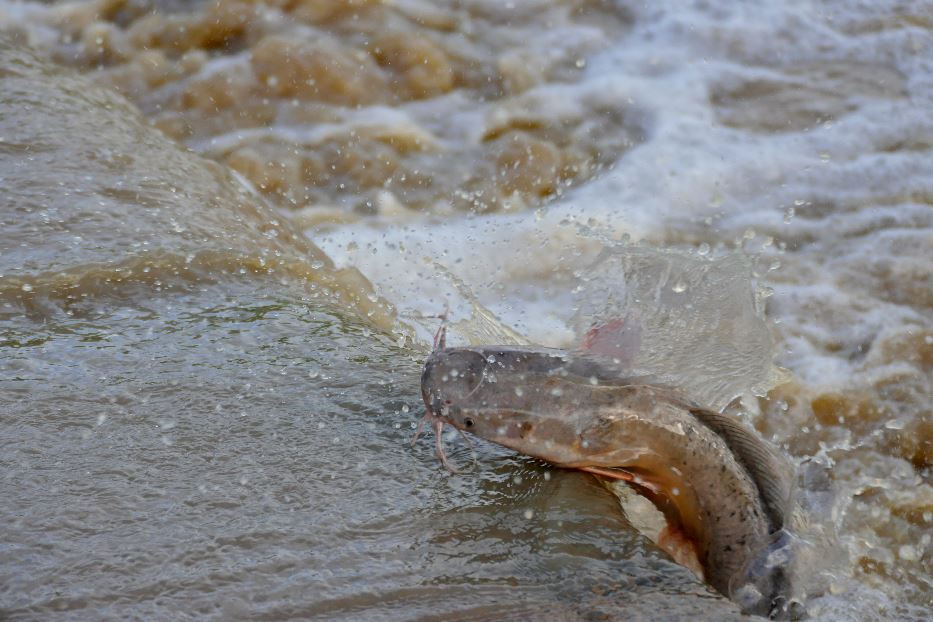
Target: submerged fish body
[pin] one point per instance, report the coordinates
(716, 481)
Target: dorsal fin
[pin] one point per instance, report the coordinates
(771, 472)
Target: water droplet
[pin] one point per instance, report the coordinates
(405, 408)
(519, 392)
(490, 359)
(27, 287)
(908, 553)
(529, 514)
(703, 249)
(679, 287)
(557, 391)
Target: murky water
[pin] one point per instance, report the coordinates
(209, 384)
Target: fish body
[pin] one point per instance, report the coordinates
(716, 481)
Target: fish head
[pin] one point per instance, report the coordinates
(450, 377)
(491, 393)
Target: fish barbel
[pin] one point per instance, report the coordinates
(723, 490)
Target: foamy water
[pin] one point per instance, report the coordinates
(800, 134)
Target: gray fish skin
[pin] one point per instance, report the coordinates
(715, 479)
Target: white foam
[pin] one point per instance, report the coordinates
(692, 169)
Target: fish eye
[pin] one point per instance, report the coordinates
(468, 422)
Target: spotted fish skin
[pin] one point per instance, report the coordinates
(713, 478)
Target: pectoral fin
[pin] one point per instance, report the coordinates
(625, 476)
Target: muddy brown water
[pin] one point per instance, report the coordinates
(196, 422)
(204, 414)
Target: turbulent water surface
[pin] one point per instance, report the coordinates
(226, 226)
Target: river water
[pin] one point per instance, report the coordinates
(226, 226)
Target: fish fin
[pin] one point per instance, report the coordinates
(772, 473)
(625, 476)
(676, 543)
(769, 572)
(617, 338)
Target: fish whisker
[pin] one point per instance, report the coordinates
(437, 424)
(439, 447)
(440, 337)
(428, 416)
